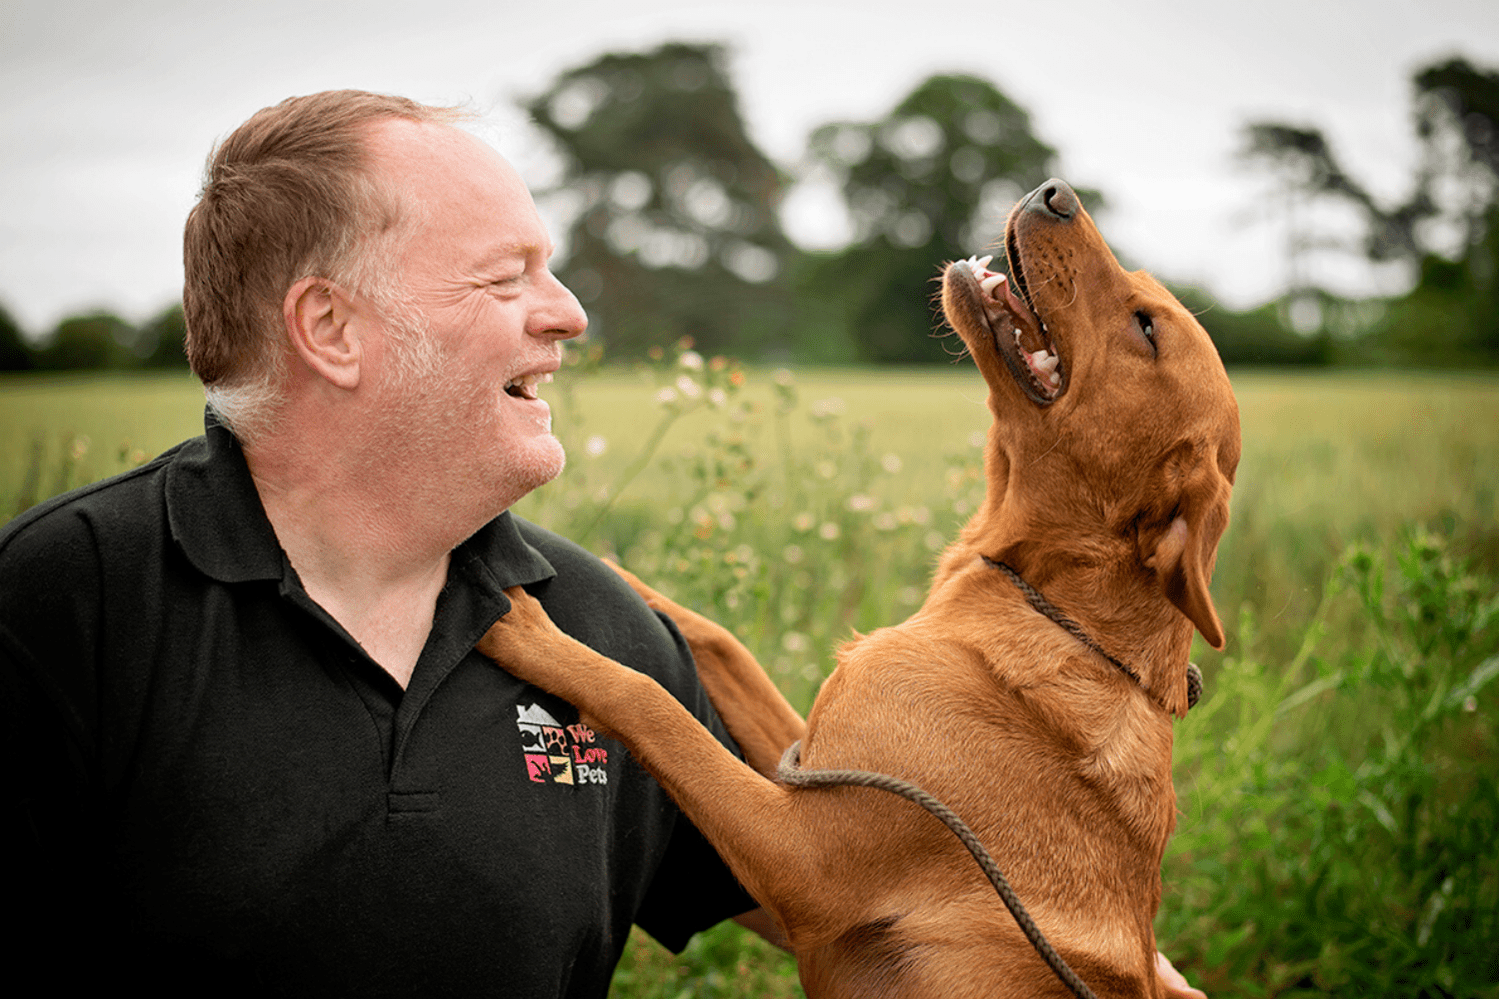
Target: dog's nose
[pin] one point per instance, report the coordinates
(1056, 199)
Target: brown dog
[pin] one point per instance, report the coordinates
(1109, 464)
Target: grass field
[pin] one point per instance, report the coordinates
(1340, 815)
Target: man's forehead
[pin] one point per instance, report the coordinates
(404, 145)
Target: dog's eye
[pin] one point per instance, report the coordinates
(1146, 327)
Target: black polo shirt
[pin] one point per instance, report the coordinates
(213, 787)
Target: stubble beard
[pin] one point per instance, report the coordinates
(435, 401)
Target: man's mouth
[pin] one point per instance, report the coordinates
(524, 387)
(1020, 334)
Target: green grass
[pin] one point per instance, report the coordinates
(1338, 801)
(66, 430)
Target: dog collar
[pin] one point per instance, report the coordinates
(1050, 610)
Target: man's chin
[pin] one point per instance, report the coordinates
(542, 461)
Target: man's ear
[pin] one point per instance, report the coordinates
(317, 314)
(1183, 561)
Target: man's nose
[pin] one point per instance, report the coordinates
(561, 316)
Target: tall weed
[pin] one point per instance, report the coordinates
(1340, 827)
(779, 519)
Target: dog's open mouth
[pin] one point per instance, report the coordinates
(1020, 334)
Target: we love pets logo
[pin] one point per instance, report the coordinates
(558, 754)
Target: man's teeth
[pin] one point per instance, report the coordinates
(525, 385)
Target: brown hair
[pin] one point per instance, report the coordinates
(286, 196)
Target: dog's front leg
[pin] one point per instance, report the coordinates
(761, 829)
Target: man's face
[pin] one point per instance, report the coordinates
(475, 270)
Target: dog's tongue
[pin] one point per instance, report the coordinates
(997, 287)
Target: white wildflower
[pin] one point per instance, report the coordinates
(831, 406)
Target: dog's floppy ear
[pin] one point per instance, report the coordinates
(1183, 557)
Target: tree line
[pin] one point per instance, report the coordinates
(96, 340)
(674, 227)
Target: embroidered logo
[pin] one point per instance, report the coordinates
(558, 754)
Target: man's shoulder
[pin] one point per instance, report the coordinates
(122, 505)
(565, 554)
(580, 574)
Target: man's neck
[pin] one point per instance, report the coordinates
(370, 554)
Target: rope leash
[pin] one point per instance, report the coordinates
(790, 772)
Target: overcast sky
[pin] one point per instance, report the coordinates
(109, 110)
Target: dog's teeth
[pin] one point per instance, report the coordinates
(982, 263)
(1044, 361)
(1054, 379)
(991, 282)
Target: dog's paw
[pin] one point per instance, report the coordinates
(525, 642)
(1175, 982)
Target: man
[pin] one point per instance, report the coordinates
(252, 746)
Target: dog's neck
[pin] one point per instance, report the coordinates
(1046, 608)
(1117, 606)
(1097, 581)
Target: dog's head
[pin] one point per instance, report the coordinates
(1116, 433)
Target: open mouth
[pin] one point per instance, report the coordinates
(524, 387)
(1020, 334)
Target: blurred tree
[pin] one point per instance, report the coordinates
(95, 340)
(160, 341)
(15, 353)
(676, 232)
(1457, 119)
(1447, 229)
(931, 181)
(1307, 169)
(1257, 337)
